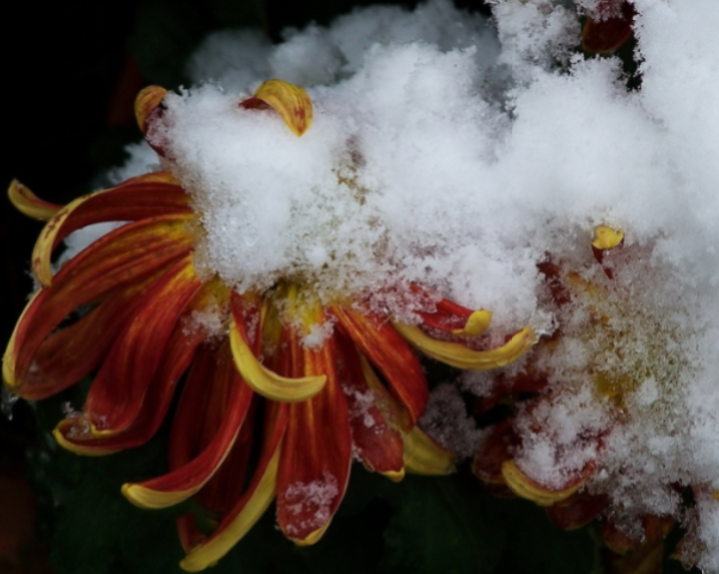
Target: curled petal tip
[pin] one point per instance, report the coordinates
(147, 101)
(606, 238)
(477, 324)
(395, 475)
(27, 203)
(147, 498)
(462, 357)
(267, 383)
(525, 487)
(290, 101)
(312, 538)
(89, 450)
(422, 455)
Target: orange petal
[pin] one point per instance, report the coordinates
(316, 454)
(212, 409)
(255, 500)
(26, 202)
(376, 443)
(127, 255)
(118, 390)
(182, 347)
(151, 195)
(290, 101)
(391, 355)
(70, 354)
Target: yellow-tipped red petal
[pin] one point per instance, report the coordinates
(139, 198)
(253, 503)
(422, 455)
(527, 488)
(68, 432)
(117, 392)
(377, 444)
(462, 357)
(128, 255)
(606, 238)
(71, 353)
(27, 203)
(216, 407)
(450, 317)
(316, 455)
(261, 379)
(146, 102)
(290, 101)
(385, 348)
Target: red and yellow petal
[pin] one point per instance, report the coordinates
(126, 256)
(255, 500)
(27, 203)
(385, 348)
(455, 319)
(147, 102)
(423, 455)
(261, 379)
(208, 420)
(462, 357)
(530, 489)
(71, 353)
(143, 197)
(181, 351)
(118, 390)
(290, 101)
(316, 454)
(377, 444)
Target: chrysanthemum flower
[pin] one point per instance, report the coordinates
(281, 389)
(604, 349)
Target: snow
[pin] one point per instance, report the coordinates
(456, 153)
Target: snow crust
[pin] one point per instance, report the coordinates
(456, 153)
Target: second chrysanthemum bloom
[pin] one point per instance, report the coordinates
(307, 376)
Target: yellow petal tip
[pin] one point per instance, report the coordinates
(27, 203)
(422, 455)
(477, 324)
(290, 101)
(77, 448)
(267, 383)
(146, 102)
(395, 475)
(312, 537)
(524, 487)
(606, 238)
(143, 497)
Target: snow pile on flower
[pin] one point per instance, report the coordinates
(458, 153)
